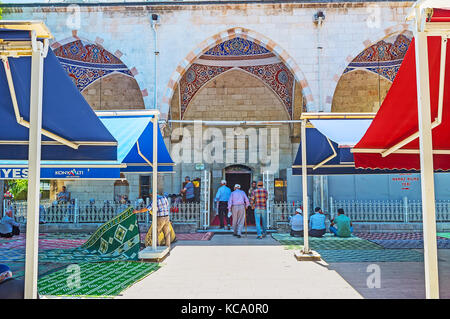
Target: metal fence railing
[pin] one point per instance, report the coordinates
(358, 210)
(281, 211)
(389, 211)
(87, 212)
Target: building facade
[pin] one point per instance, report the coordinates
(221, 61)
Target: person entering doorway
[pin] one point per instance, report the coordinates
(243, 179)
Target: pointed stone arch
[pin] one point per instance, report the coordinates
(218, 38)
(378, 36)
(90, 64)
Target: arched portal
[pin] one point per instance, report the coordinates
(249, 45)
(103, 79)
(367, 79)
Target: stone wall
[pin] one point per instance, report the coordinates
(235, 96)
(188, 30)
(114, 92)
(360, 91)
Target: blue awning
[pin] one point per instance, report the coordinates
(128, 131)
(135, 137)
(65, 113)
(336, 160)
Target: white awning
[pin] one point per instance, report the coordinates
(344, 132)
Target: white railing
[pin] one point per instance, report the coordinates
(281, 211)
(358, 210)
(388, 211)
(87, 212)
(187, 213)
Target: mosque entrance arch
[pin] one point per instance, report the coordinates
(238, 174)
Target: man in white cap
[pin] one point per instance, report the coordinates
(222, 197)
(296, 223)
(237, 204)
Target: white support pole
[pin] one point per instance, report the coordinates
(426, 167)
(155, 183)
(305, 190)
(34, 166)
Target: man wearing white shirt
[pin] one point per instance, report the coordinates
(296, 223)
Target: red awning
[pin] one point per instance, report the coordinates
(397, 118)
(440, 15)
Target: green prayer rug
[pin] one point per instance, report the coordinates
(376, 255)
(332, 244)
(326, 237)
(95, 279)
(444, 235)
(117, 239)
(328, 241)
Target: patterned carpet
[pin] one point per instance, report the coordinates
(195, 236)
(444, 235)
(409, 243)
(44, 243)
(375, 255)
(394, 236)
(357, 249)
(18, 268)
(332, 244)
(326, 237)
(96, 279)
(328, 241)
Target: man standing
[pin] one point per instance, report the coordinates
(222, 197)
(258, 200)
(343, 223)
(317, 223)
(250, 210)
(188, 190)
(162, 221)
(237, 204)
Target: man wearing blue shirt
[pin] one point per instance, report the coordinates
(189, 190)
(8, 226)
(317, 223)
(222, 197)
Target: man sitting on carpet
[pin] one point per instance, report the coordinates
(10, 288)
(8, 226)
(296, 223)
(343, 223)
(163, 220)
(317, 223)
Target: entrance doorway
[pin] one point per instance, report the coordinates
(242, 175)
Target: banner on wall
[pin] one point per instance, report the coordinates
(61, 173)
(406, 181)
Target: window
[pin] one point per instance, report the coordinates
(121, 189)
(144, 186)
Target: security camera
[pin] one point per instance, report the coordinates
(155, 19)
(319, 16)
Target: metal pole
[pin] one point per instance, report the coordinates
(305, 190)
(426, 167)
(155, 182)
(34, 166)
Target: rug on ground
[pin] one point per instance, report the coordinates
(117, 239)
(375, 255)
(328, 241)
(354, 249)
(95, 279)
(18, 268)
(396, 236)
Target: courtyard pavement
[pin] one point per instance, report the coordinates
(229, 267)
